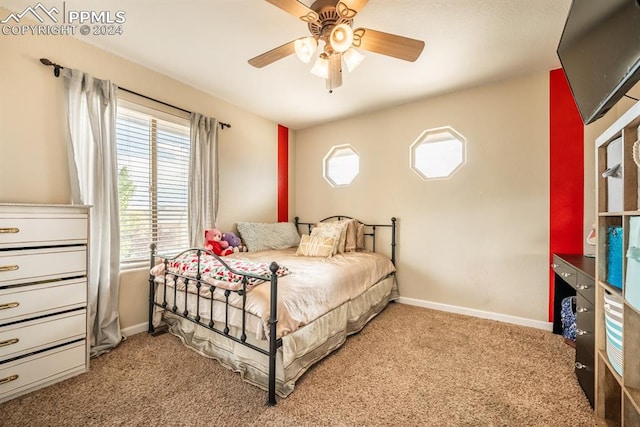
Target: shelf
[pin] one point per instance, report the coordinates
(631, 346)
(608, 408)
(633, 395)
(617, 202)
(607, 423)
(605, 359)
(631, 416)
(610, 288)
(628, 306)
(624, 213)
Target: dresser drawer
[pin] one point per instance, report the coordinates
(26, 337)
(584, 369)
(22, 302)
(32, 265)
(586, 286)
(585, 323)
(42, 369)
(565, 271)
(42, 229)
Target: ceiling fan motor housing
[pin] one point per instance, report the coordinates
(328, 17)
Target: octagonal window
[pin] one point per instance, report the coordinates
(438, 153)
(341, 165)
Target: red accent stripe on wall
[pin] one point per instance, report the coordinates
(566, 191)
(283, 173)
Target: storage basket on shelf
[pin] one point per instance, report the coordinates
(632, 279)
(613, 307)
(614, 256)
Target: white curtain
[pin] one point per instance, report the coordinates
(203, 177)
(91, 112)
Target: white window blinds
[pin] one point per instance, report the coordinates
(153, 173)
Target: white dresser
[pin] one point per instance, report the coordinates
(43, 296)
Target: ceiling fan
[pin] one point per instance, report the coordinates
(331, 22)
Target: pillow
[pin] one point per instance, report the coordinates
(328, 232)
(316, 246)
(342, 227)
(360, 236)
(351, 236)
(258, 236)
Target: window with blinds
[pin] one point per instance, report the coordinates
(153, 172)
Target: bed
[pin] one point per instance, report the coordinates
(271, 314)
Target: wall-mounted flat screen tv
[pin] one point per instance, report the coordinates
(600, 53)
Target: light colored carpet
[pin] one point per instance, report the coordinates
(409, 366)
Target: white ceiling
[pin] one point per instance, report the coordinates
(206, 44)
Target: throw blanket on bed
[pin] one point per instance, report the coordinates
(214, 273)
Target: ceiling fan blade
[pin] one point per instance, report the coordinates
(273, 55)
(335, 71)
(297, 9)
(388, 44)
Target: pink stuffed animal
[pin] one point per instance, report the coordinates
(213, 242)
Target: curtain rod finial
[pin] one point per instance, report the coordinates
(56, 67)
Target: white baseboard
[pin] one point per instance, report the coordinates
(135, 329)
(547, 326)
(539, 324)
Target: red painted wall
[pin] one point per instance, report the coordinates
(566, 204)
(283, 173)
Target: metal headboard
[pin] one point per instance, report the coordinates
(371, 227)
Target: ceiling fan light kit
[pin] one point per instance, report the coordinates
(332, 23)
(352, 58)
(341, 38)
(305, 48)
(321, 66)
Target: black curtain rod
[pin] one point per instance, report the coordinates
(56, 72)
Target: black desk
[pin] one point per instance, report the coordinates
(575, 275)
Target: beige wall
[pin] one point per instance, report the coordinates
(33, 162)
(477, 240)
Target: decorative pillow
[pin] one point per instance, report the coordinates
(360, 236)
(351, 236)
(328, 232)
(258, 236)
(342, 227)
(316, 246)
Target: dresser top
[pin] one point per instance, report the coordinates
(42, 205)
(582, 263)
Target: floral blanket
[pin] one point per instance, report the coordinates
(214, 273)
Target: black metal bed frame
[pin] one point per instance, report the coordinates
(274, 343)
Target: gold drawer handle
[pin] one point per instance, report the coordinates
(9, 268)
(9, 305)
(8, 379)
(10, 230)
(9, 342)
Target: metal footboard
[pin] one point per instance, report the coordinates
(224, 328)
